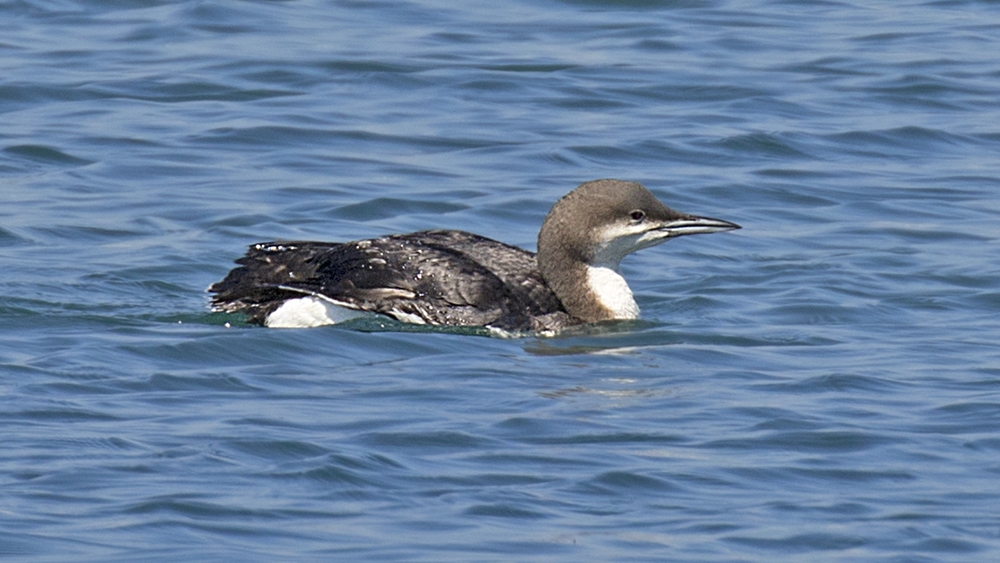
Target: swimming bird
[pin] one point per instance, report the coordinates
(455, 278)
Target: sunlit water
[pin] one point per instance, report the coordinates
(823, 385)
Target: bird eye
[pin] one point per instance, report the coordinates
(638, 215)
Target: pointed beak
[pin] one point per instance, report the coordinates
(694, 225)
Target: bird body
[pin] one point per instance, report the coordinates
(455, 278)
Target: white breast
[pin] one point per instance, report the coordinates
(612, 291)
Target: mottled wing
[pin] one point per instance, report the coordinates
(435, 277)
(257, 286)
(517, 268)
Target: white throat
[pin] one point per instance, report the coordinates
(612, 291)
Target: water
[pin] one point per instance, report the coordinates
(823, 385)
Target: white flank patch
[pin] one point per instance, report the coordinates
(308, 312)
(612, 291)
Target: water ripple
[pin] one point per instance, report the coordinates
(821, 385)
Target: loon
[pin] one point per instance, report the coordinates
(455, 278)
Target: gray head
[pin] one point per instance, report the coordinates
(594, 227)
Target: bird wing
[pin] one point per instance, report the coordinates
(435, 277)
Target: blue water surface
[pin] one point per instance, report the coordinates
(822, 385)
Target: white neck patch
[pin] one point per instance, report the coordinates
(612, 291)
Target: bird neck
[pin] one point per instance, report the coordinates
(589, 292)
(607, 286)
